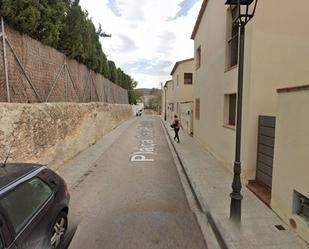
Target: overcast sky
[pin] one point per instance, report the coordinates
(148, 36)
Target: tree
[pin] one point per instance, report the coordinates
(23, 14)
(155, 102)
(41, 20)
(113, 71)
(51, 22)
(105, 70)
(63, 25)
(74, 33)
(134, 96)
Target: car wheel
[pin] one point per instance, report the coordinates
(59, 230)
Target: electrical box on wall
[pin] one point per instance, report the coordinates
(301, 206)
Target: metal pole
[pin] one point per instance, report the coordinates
(165, 105)
(5, 62)
(90, 87)
(66, 83)
(86, 86)
(54, 83)
(95, 89)
(72, 82)
(236, 196)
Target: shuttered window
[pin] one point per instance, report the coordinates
(198, 57)
(197, 109)
(232, 110)
(232, 42)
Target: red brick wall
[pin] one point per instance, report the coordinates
(42, 65)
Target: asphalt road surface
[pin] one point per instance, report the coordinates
(132, 197)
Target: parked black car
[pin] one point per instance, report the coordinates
(34, 205)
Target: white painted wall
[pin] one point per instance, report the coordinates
(186, 117)
(276, 56)
(291, 171)
(212, 82)
(279, 57)
(182, 92)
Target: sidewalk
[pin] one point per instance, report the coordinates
(212, 185)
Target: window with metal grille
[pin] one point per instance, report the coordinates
(188, 78)
(232, 43)
(198, 57)
(197, 109)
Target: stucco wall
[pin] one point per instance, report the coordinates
(291, 156)
(279, 58)
(182, 92)
(276, 56)
(55, 132)
(212, 81)
(186, 117)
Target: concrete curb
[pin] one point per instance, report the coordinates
(215, 225)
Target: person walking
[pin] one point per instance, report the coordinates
(176, 126)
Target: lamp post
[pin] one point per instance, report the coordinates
(165, 90)
(245, 12)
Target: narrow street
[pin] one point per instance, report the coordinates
(133, 198)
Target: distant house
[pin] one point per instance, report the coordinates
(276, 56)
(180, 98)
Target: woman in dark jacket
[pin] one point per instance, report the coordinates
(176, 126)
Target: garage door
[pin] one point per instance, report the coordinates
(265, 153)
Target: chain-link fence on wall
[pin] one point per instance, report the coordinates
(31, 72)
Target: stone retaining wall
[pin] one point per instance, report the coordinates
(53, 133)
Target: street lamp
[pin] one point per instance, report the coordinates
(165, 90)
(245, 12)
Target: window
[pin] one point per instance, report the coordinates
(177, 80)
(188, 78)
(198, 57)
(230, 109)
(197, 109)
(233, 36)
(22, 203)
